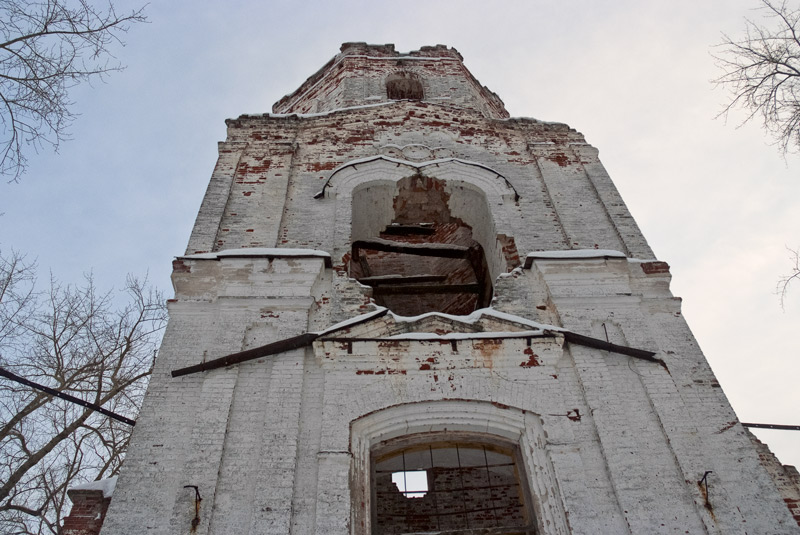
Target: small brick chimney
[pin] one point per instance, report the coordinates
(89, 505)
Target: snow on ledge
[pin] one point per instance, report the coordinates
(260, 251)
(352, 321)
(577, 253)
(465, 336)
(571, 254)
(105, 485)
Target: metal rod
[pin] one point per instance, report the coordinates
(294, 342)
(773, 426)
(274, 348)
(614, 348)
(72, 399)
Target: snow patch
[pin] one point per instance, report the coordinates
(105, 485)
(513, 273)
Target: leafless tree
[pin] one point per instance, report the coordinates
(77, 341)
(786, 281)
(16, 296)
(762, 72)
(48, 47)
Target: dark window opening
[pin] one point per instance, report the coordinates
(403, 86)
(425, 260)
(450, 488)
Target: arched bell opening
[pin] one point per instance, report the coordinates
(424, 259)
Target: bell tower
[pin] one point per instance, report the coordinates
(402, 311)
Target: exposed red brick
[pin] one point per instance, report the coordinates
(87, 514)
(321, 166)
(533, 359)
(178, 266)
(560, 158)
(655, 267)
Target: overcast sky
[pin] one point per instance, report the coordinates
(716, 202)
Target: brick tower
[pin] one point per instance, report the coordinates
(403, 311)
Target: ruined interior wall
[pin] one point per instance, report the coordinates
(372, 209)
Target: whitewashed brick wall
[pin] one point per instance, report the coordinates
(616, 445)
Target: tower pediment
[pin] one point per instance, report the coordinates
(483, 323)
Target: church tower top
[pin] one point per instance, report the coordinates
(363, 74)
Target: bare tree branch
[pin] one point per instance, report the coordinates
(762, 72)
(784, 282)
(75, 341)
(46, 48)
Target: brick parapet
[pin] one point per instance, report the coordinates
(357, 76)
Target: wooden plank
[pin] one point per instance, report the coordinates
(362, 261)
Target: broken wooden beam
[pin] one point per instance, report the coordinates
(419, 289)
(440, 250)
(382, 280)
(408, 230)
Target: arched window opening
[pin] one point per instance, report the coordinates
(449, 487)
(424, 260)
(403, 86)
